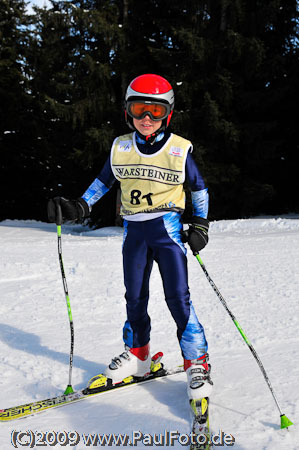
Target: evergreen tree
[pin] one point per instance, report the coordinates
(50, 83)
(71, 62)
(13, 101)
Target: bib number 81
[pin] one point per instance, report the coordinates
(136, 195)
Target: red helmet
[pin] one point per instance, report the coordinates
(144, 92)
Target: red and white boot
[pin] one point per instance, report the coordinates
(132, 362)
(198, 377)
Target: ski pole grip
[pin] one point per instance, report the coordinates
(58, 211)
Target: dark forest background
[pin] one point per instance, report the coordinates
(232, 63)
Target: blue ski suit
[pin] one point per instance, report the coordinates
(155, 236)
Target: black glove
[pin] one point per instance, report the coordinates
(197, 234)
(74, 210)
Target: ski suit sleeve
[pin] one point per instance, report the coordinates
(100, 185)
(199, 192)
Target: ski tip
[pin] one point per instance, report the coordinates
(69, 390)
(285, 422)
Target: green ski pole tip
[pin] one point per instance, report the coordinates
(285, 422)
(69, 390)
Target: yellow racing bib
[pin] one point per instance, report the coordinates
(150, 183)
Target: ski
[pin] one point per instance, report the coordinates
(97, 385)
(200, 430)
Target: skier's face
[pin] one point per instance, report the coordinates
(146, 126)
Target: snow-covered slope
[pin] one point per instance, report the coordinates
(253, 262)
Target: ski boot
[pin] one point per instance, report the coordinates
(108, 380)
(134, 362)
(198, 377)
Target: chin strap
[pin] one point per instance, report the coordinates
(151, 139)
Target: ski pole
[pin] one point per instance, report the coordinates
(284, 421)
(69, 388)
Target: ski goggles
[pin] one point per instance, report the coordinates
(156, 111)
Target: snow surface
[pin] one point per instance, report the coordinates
(253, 262)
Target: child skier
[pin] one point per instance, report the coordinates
(151, 165)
